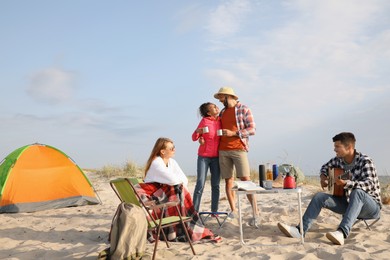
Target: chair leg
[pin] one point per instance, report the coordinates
(224, 219)
(217, 214)
(368, 226)
(163, 233)
(371, 224)
(365, 222)
(165, 238)
(187, 235)
(201, 218)
(157, 239)
(155, 246)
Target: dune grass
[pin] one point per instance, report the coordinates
(131, 169)
(385, 194)
(128, 169)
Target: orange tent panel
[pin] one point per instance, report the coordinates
(42, 176)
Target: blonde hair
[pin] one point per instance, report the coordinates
(160, 144)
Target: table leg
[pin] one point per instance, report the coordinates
(300, 217)
(240, 219)
(254, 208)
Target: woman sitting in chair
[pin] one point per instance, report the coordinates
(165, 181)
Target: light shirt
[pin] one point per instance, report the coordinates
(160, 173)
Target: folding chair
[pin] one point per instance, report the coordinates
(368, 225)
(206, 215)
(124, 189)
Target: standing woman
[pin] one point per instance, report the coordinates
(207, 154)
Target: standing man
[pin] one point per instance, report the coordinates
(361, 197)
(237, 125)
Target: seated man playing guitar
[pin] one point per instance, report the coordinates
(360, 193)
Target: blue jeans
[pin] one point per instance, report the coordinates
(204, 163)
(360, 205)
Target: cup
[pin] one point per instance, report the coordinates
(219, 132)
(205, 129)
(267, 184)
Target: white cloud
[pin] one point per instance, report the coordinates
(220, 77)
(324, 46)
(51, 85)
(311, 63)
(190, 17)
(227, 18)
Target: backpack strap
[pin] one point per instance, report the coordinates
(116, 215)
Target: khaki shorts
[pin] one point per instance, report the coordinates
(230, 160)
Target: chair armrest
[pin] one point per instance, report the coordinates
(163, 205)
(150, 203)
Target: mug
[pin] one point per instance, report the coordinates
(219, 132)
(267, 184)
(205, 129)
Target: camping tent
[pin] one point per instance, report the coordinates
(39, 177)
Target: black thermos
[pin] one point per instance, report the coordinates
(262, 174)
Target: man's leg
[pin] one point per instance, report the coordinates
(231, 196)
(227, 169)
(361, 205)
(319, 201)
(241, 163)
(251, 198)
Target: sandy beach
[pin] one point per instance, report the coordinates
(82, 232)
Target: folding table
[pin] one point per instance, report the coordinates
(240, 192)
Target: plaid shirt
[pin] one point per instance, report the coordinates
(245, 123)
(363, 177)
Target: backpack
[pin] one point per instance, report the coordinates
(128, 232)
(295, 171)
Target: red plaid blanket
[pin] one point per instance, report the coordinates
(164, 193)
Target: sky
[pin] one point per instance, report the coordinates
(102, 80)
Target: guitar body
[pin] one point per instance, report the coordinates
(338, 190)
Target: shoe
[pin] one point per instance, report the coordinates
(255, 221)
(213, 239)
(217, 239)
(289, 231)
(337, 237)
(232, 215)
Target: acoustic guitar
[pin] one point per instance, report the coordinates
(337, 173)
